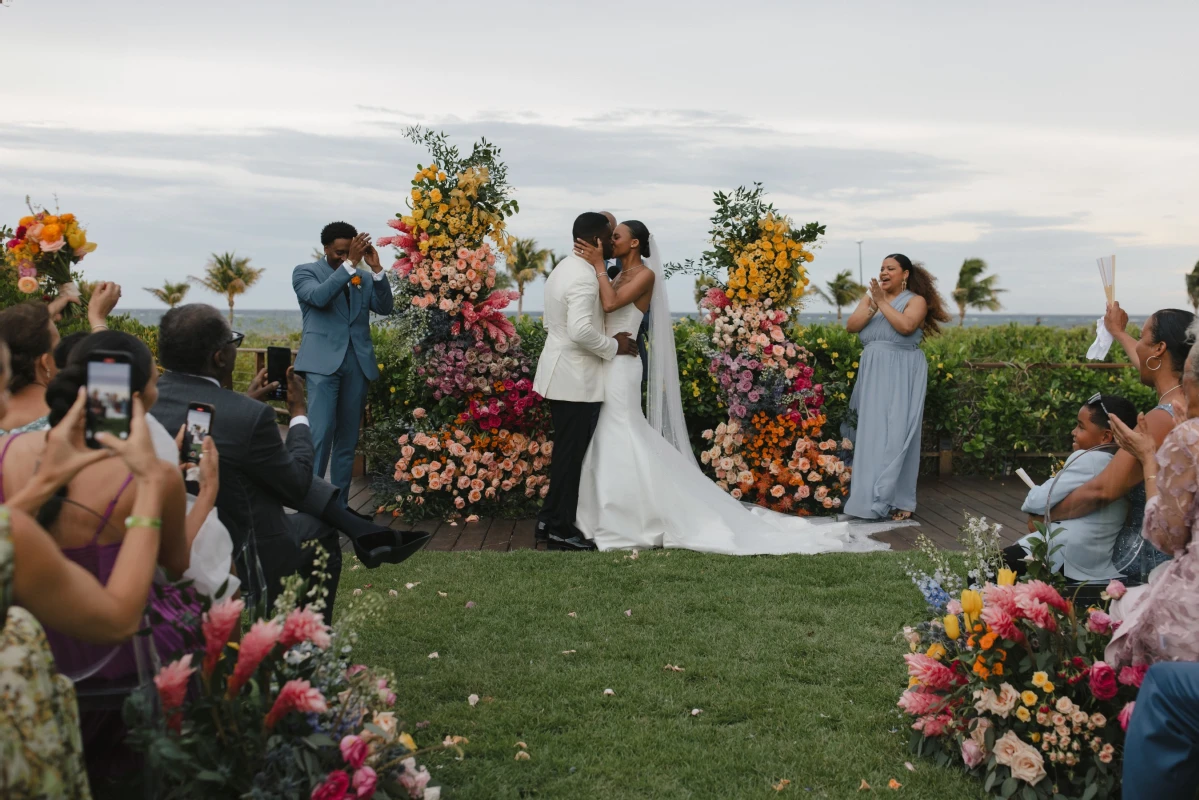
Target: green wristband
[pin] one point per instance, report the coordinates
(143, 522)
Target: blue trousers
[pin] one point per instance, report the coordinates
(335, 404)
(1161, 752)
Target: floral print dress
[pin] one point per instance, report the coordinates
(40, 750)
(1160, 621)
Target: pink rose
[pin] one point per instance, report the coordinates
(954, 607)
(354, 751)
(1133, 676)
(1103, 681)
(364, 783)
(972, 753)
(1099, 622)
(1126, 714)
(1115, 590)
(334, 788)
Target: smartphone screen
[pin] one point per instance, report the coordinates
(278, 359)
(109, 397)
(199, 424)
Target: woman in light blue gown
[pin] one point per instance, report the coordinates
(887, 407)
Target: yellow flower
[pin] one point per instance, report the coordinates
(937, 650)
(849, 374)
(441, 176)
(940, 365)
(1047, 688)
(435, 195)
(972, 605)
(1039, 678)
(952, 629)
(948, 376)
(855, 365)
(1022, 714)
(380, 366)
(1006, 577)
(393, 390)
(76, 238)
(1029, 698)
(1036, 737)
(407, 740)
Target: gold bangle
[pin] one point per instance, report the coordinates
(143, 522)
(1150, 477)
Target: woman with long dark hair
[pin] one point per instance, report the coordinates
(887, 406)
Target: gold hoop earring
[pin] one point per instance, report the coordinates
(904, 285)
(1152, 368)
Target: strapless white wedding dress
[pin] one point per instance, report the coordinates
(637, 490)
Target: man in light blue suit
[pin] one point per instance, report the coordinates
(336, 354)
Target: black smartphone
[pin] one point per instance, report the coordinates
(278, 359)
(199, 425)
(109, 395)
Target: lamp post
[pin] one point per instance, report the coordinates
(860, 276)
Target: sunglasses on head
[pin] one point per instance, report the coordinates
(1098, 400)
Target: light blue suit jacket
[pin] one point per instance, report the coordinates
(330, 326)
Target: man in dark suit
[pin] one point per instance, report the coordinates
(260, 474)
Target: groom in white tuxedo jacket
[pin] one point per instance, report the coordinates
(570, 375)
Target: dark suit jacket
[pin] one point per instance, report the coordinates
(259, 473)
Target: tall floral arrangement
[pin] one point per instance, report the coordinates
(474, 439)
(1007, 678)
(42, 250)
(772, 450)
(282, 714)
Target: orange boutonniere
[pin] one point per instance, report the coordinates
(356, 280)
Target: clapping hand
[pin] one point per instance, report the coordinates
(372, 259)
(877, 295)
(591, 253)
(1136, 442)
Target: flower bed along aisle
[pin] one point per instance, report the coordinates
(1008, 680)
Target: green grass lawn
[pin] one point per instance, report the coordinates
(795, 662)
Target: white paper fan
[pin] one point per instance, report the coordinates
(1107, 272)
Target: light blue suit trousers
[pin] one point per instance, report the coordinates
(1161, 751)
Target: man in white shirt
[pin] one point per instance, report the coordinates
(337, 357)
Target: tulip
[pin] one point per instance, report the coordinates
(972, 606)
(1007, 577)
(952, 629)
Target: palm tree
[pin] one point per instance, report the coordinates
(526, 262)
(1193, 287)
(229, 275)
(843, 290)
(974, 291)
(171, 293)
(318, 253)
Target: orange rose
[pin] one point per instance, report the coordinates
(51, 233)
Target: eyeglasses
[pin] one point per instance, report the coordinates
(1098, 400)
(236, 338)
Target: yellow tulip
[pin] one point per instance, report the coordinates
(972, 601)
(952, 629)
(1006, 577)
(936, 651)
(76, 238)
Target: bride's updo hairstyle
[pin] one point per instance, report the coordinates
(640, 233)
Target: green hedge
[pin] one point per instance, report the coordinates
(994, 419)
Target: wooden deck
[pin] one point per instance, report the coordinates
(942, 504)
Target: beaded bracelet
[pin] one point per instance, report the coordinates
(143, 522)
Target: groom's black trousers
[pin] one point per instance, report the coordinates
(574, 423)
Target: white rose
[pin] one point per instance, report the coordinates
(1027, 765)
(1007, 748)
(1006, 701)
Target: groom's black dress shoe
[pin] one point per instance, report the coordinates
(577, 543)
(541, 533)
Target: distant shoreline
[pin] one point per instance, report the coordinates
(287, 320)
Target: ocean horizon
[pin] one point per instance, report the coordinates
(281, 321)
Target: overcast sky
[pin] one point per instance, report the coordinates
(1036, 136)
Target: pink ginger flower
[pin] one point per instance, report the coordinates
(1126, 714)
(364, 783)
(254, 648)
(1001, 622)
(920, 704)
(1001, 596)
(171, 682)
(1045, 593)
(304, 625)
(930, 673)
(1037, 613)
(1133, 676)
(217, 626)
(296, 695)
(933, 724)
(1099, 622)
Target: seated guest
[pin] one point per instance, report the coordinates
(261, 474)
(1161, 749)
(1161, 618)
(1087, 541)
(40, 743)
(90, 528)
(32, 337)
(1159, 356)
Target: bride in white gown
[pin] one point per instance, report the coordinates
(641, 485)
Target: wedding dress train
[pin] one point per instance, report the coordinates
(639, 490)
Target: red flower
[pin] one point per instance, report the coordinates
(1133, 676)
(20, 233)
(336, 784)
(1103, 681)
